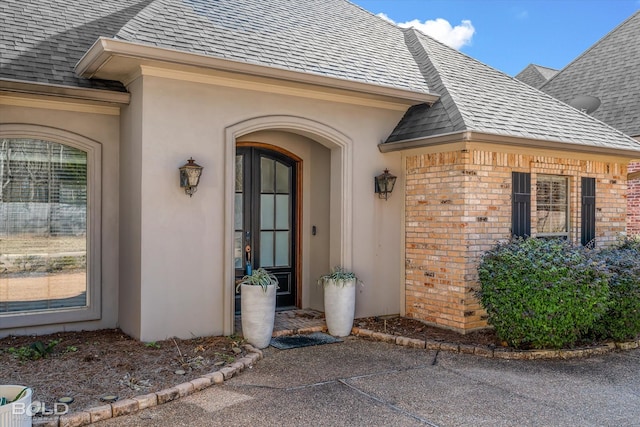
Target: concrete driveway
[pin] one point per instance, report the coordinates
(366, 383)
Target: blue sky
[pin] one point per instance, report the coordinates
(509, 35)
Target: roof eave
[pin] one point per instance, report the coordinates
(104, 49)
(485, 137)
(61, 91)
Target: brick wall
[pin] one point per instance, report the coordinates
(458, 205)
(633, 202)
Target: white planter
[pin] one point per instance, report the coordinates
(339, 306)
(258, 311)
(18, 413)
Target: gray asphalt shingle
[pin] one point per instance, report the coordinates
(43, 40)
(536, 75)
(610, 71)
(327, 37)
(489, 101)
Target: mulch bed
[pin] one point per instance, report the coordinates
(89, 365)
(412, 328)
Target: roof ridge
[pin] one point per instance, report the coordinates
(134, 25)
(377, 15)
(433, 77)
(543, 66)
(592, 47)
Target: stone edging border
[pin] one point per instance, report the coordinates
(496, 352)
(137, 403)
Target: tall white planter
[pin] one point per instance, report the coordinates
(18, 413)
(258, 314)
(339, 306)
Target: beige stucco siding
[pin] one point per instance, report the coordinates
(182, 286)
(130, 171)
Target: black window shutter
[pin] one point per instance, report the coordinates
(521, 204)
(588, 226)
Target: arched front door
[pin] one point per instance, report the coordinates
(266, 218)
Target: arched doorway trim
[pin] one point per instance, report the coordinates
(341, 188)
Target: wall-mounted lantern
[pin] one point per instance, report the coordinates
(190, 176)
(384, 184)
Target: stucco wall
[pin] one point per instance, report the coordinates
(130, 208)
(458, 205)
(181, 285)
(104, 130)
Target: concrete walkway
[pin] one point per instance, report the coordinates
(365, 383)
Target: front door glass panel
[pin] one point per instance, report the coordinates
(265, 228)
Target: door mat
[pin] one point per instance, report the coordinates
(296, 341)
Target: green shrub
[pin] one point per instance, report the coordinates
(542, 293)
(622, 320)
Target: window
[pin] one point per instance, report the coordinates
(45, 237)
(552, 205)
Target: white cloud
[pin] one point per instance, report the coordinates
(440, 29)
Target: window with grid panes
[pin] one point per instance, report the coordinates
(552, 206)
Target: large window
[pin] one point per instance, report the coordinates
(44, 230)
(552, 205)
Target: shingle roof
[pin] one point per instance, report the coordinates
(476, 97)
(610, 71)
(327, 37)
(44, 39)
(535, 75)
(41, 41)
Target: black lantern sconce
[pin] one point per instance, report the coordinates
(384, 184)
(190, 176)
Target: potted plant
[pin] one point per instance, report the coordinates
(15, 405)
(258, 306)
(339, 300)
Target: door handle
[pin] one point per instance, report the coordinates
(247, 251)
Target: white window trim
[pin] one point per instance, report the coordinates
(93, 310)
(567, 233)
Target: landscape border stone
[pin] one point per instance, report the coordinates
(497, 352)
(140, 402)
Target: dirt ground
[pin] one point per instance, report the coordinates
(411, 328)
(88, 366)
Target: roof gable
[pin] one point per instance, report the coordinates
(610, 71)
(535, 75)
